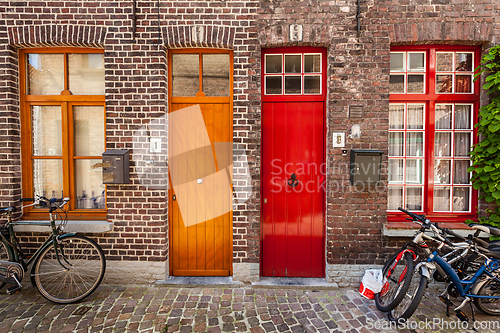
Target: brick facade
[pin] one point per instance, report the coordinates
(136, 93)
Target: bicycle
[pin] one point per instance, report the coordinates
(66, 268)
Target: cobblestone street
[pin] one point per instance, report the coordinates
(246, 309)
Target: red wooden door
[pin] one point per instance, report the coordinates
(293, 150)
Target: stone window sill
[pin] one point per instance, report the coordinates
(92, 227)
(408, 229)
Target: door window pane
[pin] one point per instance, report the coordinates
(443, 116)
(442, 144)
(463, 117)
(274, 63)
(462, 144)
(463, 62)
(463, 84)
(312, 84)
(293, 63)
(415, 84)
(415, 116)
(89, 130)
(442, 170)
(396, 143)
(48, 178)
(442, 199)
(414, 198)
(45, 74)
(416, 61)
(185, 74)
(397, 84)
(414, 174)
(46, 130)
(293, 84)
(86, 73)
(216, 74)
(444, 83)
(312, 63)
(396, 116)
(396, 170)
(415, 144)
(395, 197)
(274, 85)
(460, 174)
(444, 61)
(397, 61)
(89, 186)
(461, 199)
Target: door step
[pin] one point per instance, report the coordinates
(200, 281)
(295, 283)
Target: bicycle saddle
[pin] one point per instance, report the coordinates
(7, 210)
(486, 228)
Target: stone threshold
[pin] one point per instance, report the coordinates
(295, 283)
(200, 281)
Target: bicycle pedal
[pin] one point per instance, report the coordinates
(462, 316)
(13, 290)
(446, 300)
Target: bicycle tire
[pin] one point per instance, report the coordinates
(4, 255)
(400, 277)
(79, 279)
(491, 306)
(415, 292)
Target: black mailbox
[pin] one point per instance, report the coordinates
(115, 164)
(365, 166)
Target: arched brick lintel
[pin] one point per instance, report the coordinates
(57, 35)
(463, 33)
(213, 36)
(312, 35)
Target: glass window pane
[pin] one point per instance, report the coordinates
(312, 84)
(293, 84)
(461, 199)
(293, 63)
(397, 61)
(460, 174)
(442, 144)
(86, 73)
(444, 83)
(415, 144)
(443, 116)
(46, 130)
(395, 197)
(185, 74)
(463, 62)
(274, 63)
(395, 170)
(462, 144)
(442, 170)
(312, 63)
(89, 186)
(216, 74)
(463, 117)
(274, 85)
(45, 74)
(397, 84)
(48, 178)
(415, 116)
(442, 199)
(415, 84)
(396, 143)
(444, 61)
(463, 84)
(416, 61)
(414, 198)
(89, 130)
(414, 174)
(396, 116)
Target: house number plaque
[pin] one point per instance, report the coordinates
(295, 32)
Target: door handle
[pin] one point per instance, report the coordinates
(293, 181)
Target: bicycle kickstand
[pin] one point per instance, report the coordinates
(473, 318)
(15, 288)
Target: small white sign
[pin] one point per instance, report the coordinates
(338, 140)
(198, 34)
(295, 32)
(155, 145)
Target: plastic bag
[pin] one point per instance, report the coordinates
(372, 283)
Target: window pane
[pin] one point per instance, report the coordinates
(442, 170)
(415, 84)
(86, 73)
(89, 130)
(463, 117)
(312, 85)
(443, 116)
(444, 83)
(48, 178)
(274, 63)
(396, 116)
(89, 186)
(416, 61)
(462, 144)
(396, 143)
(397, 61)
(45, 74)
(442, 199)
(46, 130)
(415, 116)
(216, 74)
(461, 199)
(463, 62)
(442, 144)
(185, 74)
(414, 198)
(397, 84)
(293, 84)
(415, 144)
(395, 197)
(444, 62)
(463, 84)
(414, 174)
(274, 85)
(312, 63)
(395, 170)
(460, 174)
(293, 63)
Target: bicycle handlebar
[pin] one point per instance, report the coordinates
(421, 218)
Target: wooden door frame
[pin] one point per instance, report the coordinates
(200, 100)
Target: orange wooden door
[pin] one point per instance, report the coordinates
(200, 163)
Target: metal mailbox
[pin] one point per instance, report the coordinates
(115, 166)
(365, 166)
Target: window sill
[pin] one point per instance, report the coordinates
(408, 229)
(93, 227)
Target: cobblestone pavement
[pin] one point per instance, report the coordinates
(245, 309)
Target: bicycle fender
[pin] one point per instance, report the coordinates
(425, 271)
(480, 282)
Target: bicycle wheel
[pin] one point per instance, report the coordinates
(82, 269)
(489, 306)
(411, 299)
(398, 271)
(4, 255)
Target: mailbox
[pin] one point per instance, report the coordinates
(365, 166)
(115, 165)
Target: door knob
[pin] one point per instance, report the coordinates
(199, 181)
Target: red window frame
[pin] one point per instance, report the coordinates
(430, 98)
